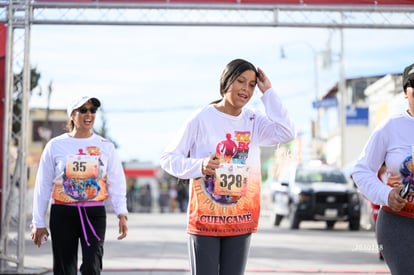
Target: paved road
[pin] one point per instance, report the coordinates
(156, 245)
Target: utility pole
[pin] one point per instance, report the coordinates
(342, 93)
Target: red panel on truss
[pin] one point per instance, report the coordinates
(279, 2)
(3, 36)
(71, 1)
(330, 2)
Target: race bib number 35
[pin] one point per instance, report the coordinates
(231, 180)
(82, 166)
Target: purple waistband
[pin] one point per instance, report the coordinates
(86, 203)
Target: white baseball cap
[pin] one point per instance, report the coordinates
(78, 102)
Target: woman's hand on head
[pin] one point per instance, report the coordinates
(262, 81)
(210, 164)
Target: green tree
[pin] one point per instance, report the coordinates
(17, 99)
(103, 129)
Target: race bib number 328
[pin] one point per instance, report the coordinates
(231, 180)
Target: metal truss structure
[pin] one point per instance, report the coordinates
(20, 15)
(239, 15)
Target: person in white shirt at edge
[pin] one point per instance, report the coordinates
(78, 171)
(218, 150)
(392, 143)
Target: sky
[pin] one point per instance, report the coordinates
(150, 78)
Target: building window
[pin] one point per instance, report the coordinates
(40, 132)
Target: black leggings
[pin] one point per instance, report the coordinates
(396, 240)
(218, 255)
(66, 231)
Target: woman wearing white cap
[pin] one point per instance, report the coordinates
(77, 172)
(392, 143)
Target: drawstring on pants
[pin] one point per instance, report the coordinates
(85, 235)
(83, 205)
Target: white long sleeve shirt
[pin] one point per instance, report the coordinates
(208, 126)
(391, 143)
(236, 139)
(75, 170)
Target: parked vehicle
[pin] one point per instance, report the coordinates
(316, 193)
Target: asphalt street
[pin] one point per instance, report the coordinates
(156, 244)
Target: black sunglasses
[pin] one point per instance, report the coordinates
(84, 110)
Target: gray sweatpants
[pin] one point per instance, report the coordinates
(218, 255)
(395, 236)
